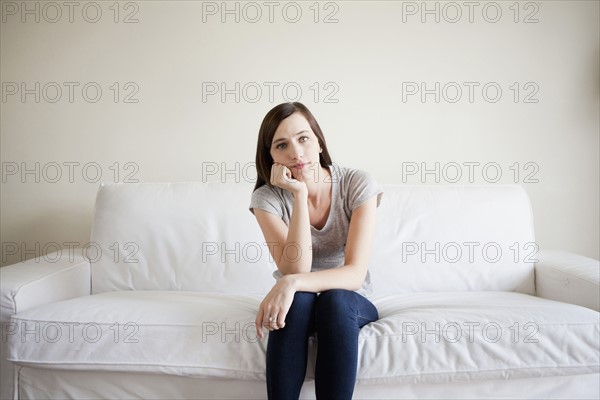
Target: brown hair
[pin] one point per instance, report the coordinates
(269, 125)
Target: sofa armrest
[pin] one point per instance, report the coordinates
(568, 277)
(29, 284)
(38, 281)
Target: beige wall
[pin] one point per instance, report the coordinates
(366, 64)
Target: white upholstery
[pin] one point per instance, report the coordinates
(37, 281)
(420, 337)
(181, 269)
(201, 236)
(36, 383)
(453, 238)
(179, 236)
(568, 277)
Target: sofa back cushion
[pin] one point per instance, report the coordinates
(178, 236)
(201, 237)
(453, 238)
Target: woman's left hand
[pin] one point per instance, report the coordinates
(275, 306)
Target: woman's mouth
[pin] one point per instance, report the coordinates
(300, 165)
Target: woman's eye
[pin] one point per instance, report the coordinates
(303, 138)
(280, 146)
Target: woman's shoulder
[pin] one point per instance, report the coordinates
(270, 193)
(356, 186)
(348, 176)
(269, 198)
(266, 190)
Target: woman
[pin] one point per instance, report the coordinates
(318, 220)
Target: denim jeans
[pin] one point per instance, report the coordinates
(336, 317)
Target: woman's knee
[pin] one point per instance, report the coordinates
(335, 297)
(303, 304)
(304, 299)
(335, 303)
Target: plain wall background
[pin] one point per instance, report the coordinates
(355, 72)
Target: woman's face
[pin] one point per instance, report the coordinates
(296, 146)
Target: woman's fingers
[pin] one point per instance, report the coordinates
(281, 173)
(275, 318)
(281, 319)
(273, 310)
(277, 174)
(267, 318)
(278, 319)
(258, 322)
(273, 322)
(281, 176)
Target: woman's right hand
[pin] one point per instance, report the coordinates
(281, 176)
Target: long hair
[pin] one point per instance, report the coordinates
(269, 125)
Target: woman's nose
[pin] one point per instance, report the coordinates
(295, 152)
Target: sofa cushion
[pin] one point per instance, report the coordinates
(444, 337)
(178, 236)
(181, 333)
(429, 337)
(453, 238)
(201, 237)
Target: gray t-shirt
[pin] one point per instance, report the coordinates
(350, 189)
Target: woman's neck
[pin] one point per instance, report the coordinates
(319, 186)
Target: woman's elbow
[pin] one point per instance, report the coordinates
(293, 268)
(294, 263)
(359, 273)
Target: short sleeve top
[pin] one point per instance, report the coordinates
(350, 189)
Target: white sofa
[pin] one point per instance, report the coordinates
(164, 303)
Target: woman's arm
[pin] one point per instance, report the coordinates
(290, 246)
(351, 275)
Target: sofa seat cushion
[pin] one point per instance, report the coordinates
(430, 337)
(454, 336)
(181, 333)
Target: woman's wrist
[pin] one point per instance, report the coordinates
(301, 192)
(290, 281)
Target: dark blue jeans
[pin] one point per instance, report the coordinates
(336, 316)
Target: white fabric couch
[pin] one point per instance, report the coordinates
(163, 304)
